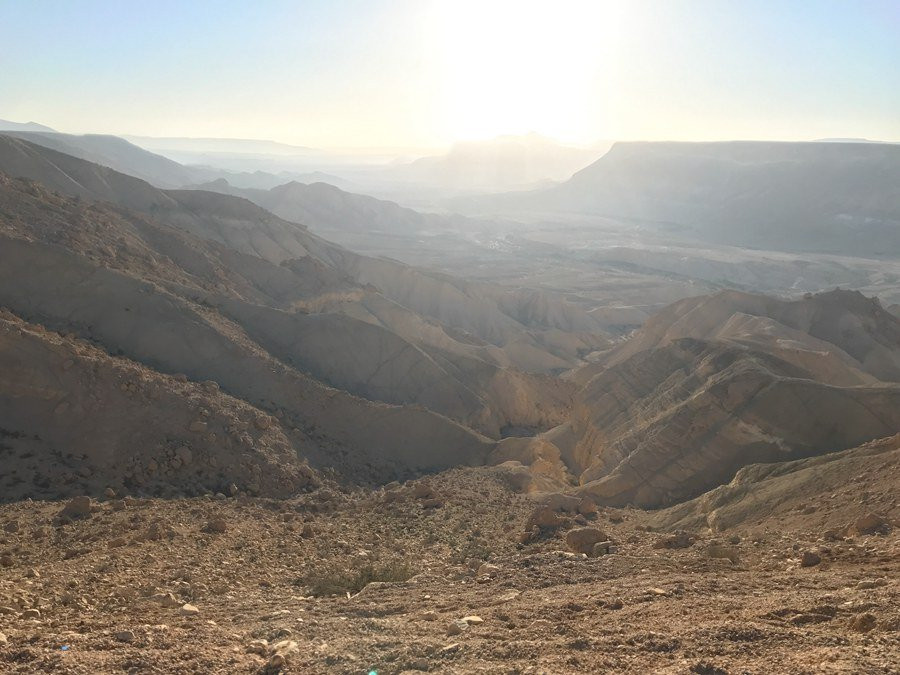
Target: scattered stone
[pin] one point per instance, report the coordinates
(189, 610)
(166, 599)
(810, 559)
(678, 539)
(77, 508)
(863, 623)
(871, 523)
(185, 455)
(125, 636)
(283, 653)
(587, 507)
(544, 517)
(457, 627)
(473, 620)
(487, 570)
(260, 647)
(582, 539)
(602, 548)
(715, 550)
(198, 426)
(216, 526)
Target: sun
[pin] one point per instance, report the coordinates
(511, 67)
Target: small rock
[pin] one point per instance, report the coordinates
(216, 526)
(12, 527)
(3, 639)
(810, 559)
(166, 599)
(6, 560)
(457, 627)
(189, 610)
(185, 455)
(430, 616)
(541, 625)
(602, 548)
(262, 422)
(77, 508)
(109, 493)
(544, 517)
(866, 584)
(283, 652)
(31, 614)
(198, 426)
(582, 539)
(678, 539)
(125, 636)
(615, 604)
(473, 620)
(714, 550)
(863, 623)
(871, 523)
(587, 507)
(260, 647)
(487, 570)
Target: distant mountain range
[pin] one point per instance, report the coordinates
(6, 125)
(817, 197)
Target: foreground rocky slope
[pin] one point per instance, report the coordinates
(432, 577)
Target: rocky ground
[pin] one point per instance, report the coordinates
(440, 576)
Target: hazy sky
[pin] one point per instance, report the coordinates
(422, 73)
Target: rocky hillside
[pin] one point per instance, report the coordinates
(712, 384)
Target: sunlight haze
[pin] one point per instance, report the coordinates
(425, 74)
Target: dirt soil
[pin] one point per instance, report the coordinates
(197, 585)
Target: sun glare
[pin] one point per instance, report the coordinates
(520, 66)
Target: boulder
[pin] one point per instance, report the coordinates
(582, 539)
(810, 559)
(871, 523)
(77, 508)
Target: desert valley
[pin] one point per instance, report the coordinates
(503, 406)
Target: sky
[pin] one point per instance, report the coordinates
(425, 73)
